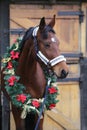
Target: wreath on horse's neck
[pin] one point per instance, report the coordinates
(16, 90)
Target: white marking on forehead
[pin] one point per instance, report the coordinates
(53, 39)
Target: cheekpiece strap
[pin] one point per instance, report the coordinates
(34, 34)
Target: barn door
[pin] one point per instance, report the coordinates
(66, 115)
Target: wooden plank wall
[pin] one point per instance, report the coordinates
(66, 115)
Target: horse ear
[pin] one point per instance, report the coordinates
(52, 22)
(42, 24)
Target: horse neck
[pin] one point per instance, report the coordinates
(30, 71)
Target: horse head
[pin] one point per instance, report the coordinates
(48, 48)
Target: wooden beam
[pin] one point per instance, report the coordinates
(23, 22)
(4, 42)
(62, 120)
(36, 13)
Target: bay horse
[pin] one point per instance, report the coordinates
(39, 49)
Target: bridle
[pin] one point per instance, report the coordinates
(52, 62)
(49, 64)
(42, 57)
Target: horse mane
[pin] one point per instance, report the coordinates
(27, 35)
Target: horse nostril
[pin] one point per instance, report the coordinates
(64, 74)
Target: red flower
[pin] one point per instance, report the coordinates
(14, 55)
(52, 90)
(52, 106)
(15, 40)
(9, 65)
(21, 98)
(11, 80)
(35, 103)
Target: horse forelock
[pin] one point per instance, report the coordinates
(46, 30)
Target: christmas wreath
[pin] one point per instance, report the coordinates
(16, 90)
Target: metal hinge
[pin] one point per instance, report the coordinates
(72, 13)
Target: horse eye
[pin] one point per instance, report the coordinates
(47, 45)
